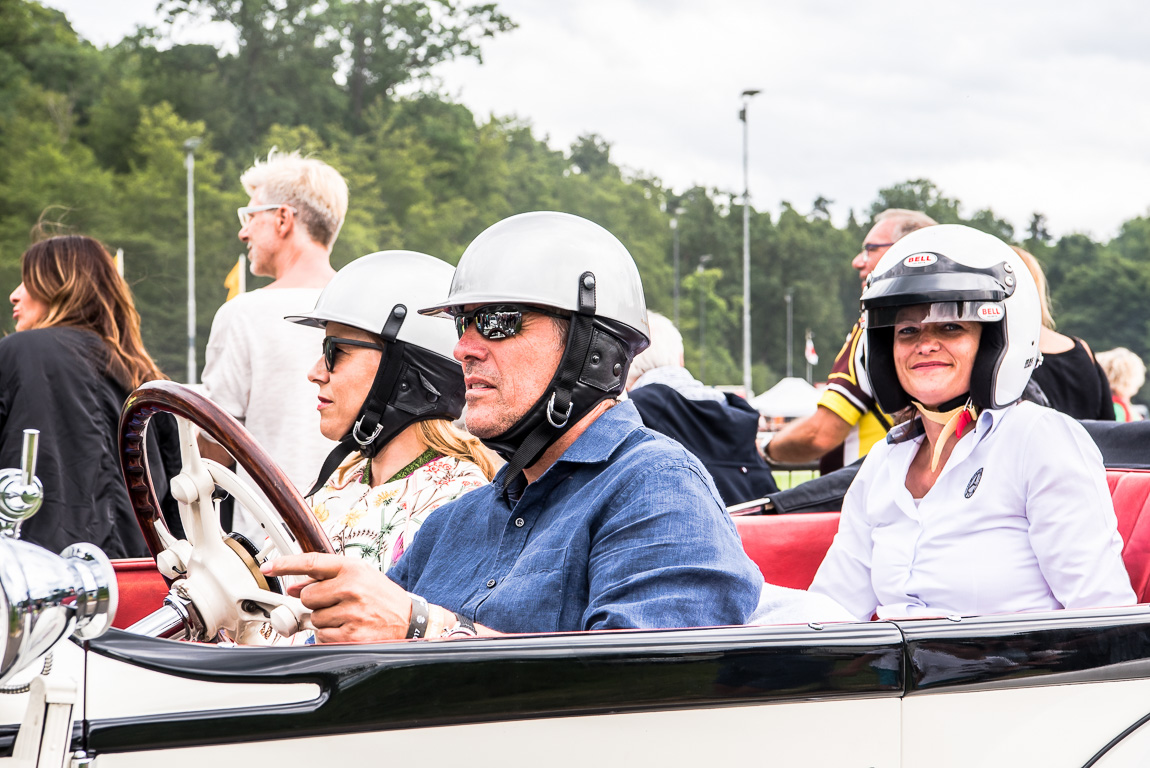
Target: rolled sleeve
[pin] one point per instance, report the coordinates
(227, 366)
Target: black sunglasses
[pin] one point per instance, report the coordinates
(497, 321)
(329, 348)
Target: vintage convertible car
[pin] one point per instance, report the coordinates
(1068, 688)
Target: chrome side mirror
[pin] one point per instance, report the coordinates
(21, 492)
(45, 597)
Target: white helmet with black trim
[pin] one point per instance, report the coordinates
(560, 262)
(418, 378)
(955, 273)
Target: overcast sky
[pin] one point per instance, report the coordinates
(1019, 106)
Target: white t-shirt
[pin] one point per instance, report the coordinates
(1020, 519)
(256, 369)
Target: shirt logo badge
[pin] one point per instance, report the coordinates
(972, 486)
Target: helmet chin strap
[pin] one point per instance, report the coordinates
(368, 425)
(557, 410)
(954, 420)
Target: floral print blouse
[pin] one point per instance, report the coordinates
(379, 523)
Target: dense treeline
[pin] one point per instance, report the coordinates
(94, 138)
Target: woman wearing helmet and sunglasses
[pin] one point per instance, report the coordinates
(388, 392)
(977, 503)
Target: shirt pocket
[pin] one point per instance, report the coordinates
(532, 596)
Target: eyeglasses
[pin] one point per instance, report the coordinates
(248, 211)
(330, 344)
(872, 247)
(497, 321)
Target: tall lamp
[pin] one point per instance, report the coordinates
(190, 147)
(747, 96)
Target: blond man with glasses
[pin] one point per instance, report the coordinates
(256, 366)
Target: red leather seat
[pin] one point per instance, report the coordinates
(142, 590)
(789, 548)
(1130, 489)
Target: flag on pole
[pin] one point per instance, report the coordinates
(235, 282)
(809, 350)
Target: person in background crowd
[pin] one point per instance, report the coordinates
(848, 421)
(720, 428)
(74, 359)
(389, 389)
(256, 364)
(594, 522)
(977, 503)
(1126, 373)
(1070, 378)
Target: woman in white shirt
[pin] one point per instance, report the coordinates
(977, 503)
(389, 389)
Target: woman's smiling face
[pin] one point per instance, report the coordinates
(934, 361)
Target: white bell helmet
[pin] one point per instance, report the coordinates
(364, 292)
(567, 263)
(418, 377)
(956, 273)
(538, 258)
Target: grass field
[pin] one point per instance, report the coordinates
(789, 479)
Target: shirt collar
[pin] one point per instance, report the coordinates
(599, 441)
(596, 445)
(910, 430)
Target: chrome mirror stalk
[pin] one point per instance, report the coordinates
(21, 492)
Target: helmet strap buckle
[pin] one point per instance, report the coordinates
(364, 440)
(552, 413)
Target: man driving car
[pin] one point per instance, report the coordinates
(595, 522)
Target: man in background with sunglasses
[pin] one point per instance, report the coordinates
(256, 364)
(848, 421)
(595, 522)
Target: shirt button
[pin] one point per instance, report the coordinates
(490, 583)
(519, 522)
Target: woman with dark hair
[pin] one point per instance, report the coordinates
(76, 356)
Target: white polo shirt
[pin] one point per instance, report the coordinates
(1019, 520)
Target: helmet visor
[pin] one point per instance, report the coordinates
(937, 312)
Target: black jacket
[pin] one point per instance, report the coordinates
(52, 379)
(721, 435)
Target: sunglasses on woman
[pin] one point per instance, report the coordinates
(330, 343)
(497, 321)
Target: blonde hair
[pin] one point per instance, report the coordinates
(443, 437)
(666, 347)
(1043, 289)
(1124, 369)
(316, 190)
(908, 221)
(76, 278)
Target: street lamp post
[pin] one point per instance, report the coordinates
(747, 96)
(675, 257)
(702, 318)
(190, 147)
(790, 335)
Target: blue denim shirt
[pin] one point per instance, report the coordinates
(625, 530)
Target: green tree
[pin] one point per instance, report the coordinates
(918, 195)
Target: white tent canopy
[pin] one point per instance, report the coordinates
(790, 398)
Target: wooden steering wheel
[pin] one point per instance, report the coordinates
(216, 583)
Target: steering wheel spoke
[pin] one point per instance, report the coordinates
(217, 576)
